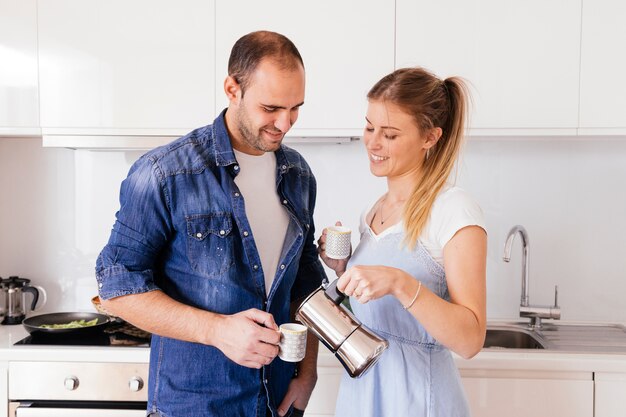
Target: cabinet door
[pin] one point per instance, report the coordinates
(523, 394)
(19, 105)
(610, 398)
(346, 47)
(603, 64)
(324, 396)
(522, 58)
(126, 67)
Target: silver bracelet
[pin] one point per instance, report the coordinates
(419, 287)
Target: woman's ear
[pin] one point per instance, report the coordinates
(432, 137)
(232, 89)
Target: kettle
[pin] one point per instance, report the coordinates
(355, 346)
(13, 298)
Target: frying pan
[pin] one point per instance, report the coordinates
(33, 324)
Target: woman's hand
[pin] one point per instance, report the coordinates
(337, 265)
(370, 282)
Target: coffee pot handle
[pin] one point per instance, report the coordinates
(334, 294)
(35, 292)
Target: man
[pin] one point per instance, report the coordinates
(213, 248)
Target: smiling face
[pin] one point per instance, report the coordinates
(394, 144)
(259, 117)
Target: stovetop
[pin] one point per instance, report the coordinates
(115, 334)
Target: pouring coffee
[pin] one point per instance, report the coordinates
(13, 292)
(355, 346)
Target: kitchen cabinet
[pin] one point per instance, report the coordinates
(126, 68)
(521, 58)
(19, 101)
(610, 398)
(516, 393)
(602, 68)
(346, 47)
(324, 396)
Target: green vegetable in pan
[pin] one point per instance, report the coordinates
(71, 325)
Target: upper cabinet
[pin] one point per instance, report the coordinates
(346, 47)
(126, 67)
(79, 71)
(603, 65)
(521, 58)
(19, 102)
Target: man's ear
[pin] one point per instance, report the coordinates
(432, 137)
(232, 89)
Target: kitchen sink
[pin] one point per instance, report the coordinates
(557, 336)
(511, 339)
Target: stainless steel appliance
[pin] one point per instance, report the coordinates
(13, 291)
(80, 389)
(77, 389)
(355, 346)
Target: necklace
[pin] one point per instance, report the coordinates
(389, 215)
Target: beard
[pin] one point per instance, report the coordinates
(251, 137)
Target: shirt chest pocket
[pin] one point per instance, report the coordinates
(210, 246)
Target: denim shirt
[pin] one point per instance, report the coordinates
(182, 228)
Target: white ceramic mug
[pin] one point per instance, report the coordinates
(292, 346)
(338, 242)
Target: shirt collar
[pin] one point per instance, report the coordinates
(223, 147)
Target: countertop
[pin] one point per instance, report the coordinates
(498, 359)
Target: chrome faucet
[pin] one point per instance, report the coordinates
(535, 313)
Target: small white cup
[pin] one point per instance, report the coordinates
(292, 346)
(338, 242)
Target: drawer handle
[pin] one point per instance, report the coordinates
(71, 383)
(135, 383)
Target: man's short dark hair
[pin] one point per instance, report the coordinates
(252, 48)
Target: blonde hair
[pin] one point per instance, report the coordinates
(433, 103)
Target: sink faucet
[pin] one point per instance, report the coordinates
(535, 313)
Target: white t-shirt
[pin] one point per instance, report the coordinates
(268, 218)
(452, 210)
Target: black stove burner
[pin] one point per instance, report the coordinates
(115, 334)
(97, 339)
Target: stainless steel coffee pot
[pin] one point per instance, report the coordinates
(13, 300)
(354, 345)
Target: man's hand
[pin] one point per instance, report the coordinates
(249, 338)
(298, 393)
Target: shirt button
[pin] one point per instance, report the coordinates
(282, 266)
(265, 381)
(245, 233)
(222, 233)
(100, 285)
(198, 235)
(255, 267)
(284, 167)
(285, 201)
(236, 194)
(236, 167)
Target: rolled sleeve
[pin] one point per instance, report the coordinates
(142, 227)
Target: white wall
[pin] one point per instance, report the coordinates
(57, 207)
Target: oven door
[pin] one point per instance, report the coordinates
(35, 409)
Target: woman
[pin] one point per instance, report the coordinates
(417, 277)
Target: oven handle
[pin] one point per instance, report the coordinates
(24, 410)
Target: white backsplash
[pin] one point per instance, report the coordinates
(57, 207)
